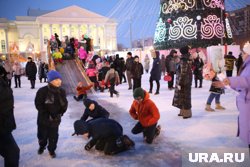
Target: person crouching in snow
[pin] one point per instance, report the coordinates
(145, 111)
(51, 103)
(94, 110)
(106, 135)
(82, 91)
(113, 78)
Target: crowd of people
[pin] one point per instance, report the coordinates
(105, 73)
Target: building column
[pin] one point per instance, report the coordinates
(69, 31)
(97, 36)
(104, 38)
(50, 27)
(79, 32)
(41, 37)
(61, 32)
(6, 41)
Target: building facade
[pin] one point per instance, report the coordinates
(240, 24)
(29, 34)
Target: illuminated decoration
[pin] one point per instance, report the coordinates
(228, 29)
(174, 5)
(214, 3)
(183, 27)
(212, 26)
(160, 32)
(198, 17)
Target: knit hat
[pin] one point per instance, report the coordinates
(52, 75)
(81, 127)
(30, 57)
(138, 92)
(246, 48)
(87, 102)
(184, 50)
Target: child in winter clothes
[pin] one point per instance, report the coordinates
(113, 78)
(82, 54)
(106, 135)
(92, 73)
(215, 93)
(145, 111)
(82, 91)
(94, 110)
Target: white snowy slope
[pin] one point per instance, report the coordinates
(205, 130)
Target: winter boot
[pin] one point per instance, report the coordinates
(76, 98)
(52, 154)
(150, 91)
(40, 150)
(128, 142)
(187, 114)
(219, 107)
(157, 131)
(156, 93)
(181, 113)
(208, 108)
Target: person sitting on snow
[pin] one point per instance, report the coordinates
(82, 91)
(94, 110)
(106, 135)
(145, 111)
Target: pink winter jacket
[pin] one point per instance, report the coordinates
(82, 54)
(91, 72)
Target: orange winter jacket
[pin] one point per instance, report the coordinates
(82, 90)
(146, 112)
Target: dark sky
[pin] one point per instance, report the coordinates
(11, 8)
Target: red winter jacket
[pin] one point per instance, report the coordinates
(146, 111)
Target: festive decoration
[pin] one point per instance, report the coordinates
(214, 3)
(160, 32)
(198, 23)
(212, 26)
(174, 5)
(183, 27)
(228, 29)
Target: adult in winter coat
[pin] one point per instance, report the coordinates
(113, 78)
(51, 103)
(163, 67)
(8, 68)
(146, 63)
(155, 74)
(145, 111)
(136, 73)
(31, 71)
(229, 63)
(241, 84)
(94, 110)
(129, 64)
(182, 94)
(198, 66)
(42, 71)
(171, 67)
(106, 135)
(8, 147)
(17, 70)
(239, 63)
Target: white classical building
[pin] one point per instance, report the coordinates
(30, 33)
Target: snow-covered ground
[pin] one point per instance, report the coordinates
(205, 130)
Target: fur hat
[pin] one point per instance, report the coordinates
(246, 48)
(81, 127)
(87, 102)
(52, 75)
(139, 92)
(184, 50)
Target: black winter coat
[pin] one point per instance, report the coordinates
(98, 112)
(137, 70)
(31, 70)
(156, 69)
(7, 120)
(103, 128)
(51, 104)
(214, 89)
(129, 64)
(182, 96)
(198, 67)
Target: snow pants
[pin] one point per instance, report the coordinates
(148, 132)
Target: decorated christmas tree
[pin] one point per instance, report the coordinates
(198, 23)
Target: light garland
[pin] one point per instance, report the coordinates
(160, 31)
(212, 26)
(214, 3)
(183, 27)
(174, 5)
(228, 29)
